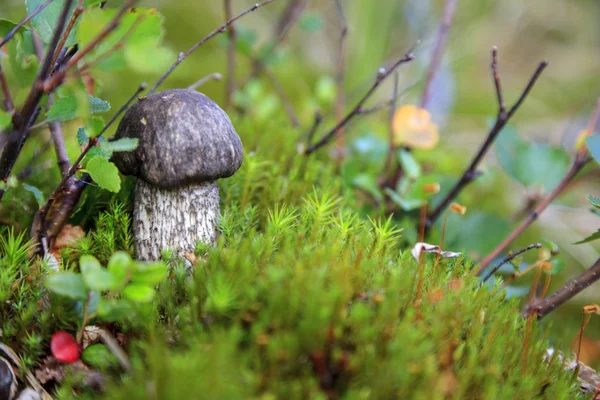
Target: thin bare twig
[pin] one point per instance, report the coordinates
(510, 258)
(231, 34)
(565, 293)
(28, 18)
(502, 119)
(30, 110)
(51, 83)
(436, 59)
(76, 13)
(215, 76)
(340, 75)
(581, 159)
(381, 76)
(182, 56)
(313, 129)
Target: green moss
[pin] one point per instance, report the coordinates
(304, 297)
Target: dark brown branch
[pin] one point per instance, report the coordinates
(381, 76)
(182, 56)
(510, 258)
(55, 80)
(28, 18)
(55, 127)
(581, 159)
(8, 102)
(340, 74)
(30, 110)
(230, 55)
(565, 293)
(436, 59)
(502, 119)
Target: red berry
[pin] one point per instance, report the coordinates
(64, 347)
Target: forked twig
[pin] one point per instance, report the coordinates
(381, 76)
(502, 119)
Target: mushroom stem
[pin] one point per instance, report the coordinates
(174, 218)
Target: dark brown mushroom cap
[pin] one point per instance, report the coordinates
(184, 138)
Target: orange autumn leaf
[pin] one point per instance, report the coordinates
(412, 127)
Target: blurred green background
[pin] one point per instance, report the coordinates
(565, 32)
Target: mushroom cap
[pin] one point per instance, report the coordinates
(184, 138)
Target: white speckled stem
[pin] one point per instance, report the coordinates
(174, 219)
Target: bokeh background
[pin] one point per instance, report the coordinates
(564, 32)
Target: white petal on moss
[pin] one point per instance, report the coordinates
(421, 247)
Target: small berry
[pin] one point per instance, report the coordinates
(64, 347)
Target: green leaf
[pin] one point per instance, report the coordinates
(594, 200)
(147, 58)
(5, 119)
(45, 22)
(123, 144)
(104, 173)
(118, 265)
(532, 164)
(325, 91)
(404, 203)
(82, 137)
(149, 274)
(593, 144)
(113, 309)
(410, 166)
(367, 183)
(23, 62)
(96, 277)
(558, 266)
(591, 238)
(98, 356)
(7, 25)
(311, 22)
(39, 197)
(67, 284)
(139, 293)
(68, 108)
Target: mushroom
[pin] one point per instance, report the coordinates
(186, 142)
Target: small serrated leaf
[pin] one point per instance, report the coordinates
(139, 293)
(67, 108)
(594, 200)
(104, 173)
(122, 144)
(67, 284)
(82, 137)
(95, 276)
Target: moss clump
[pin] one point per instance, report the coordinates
(305, 298)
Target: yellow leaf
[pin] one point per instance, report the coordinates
(412, 127)
(580, 142)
